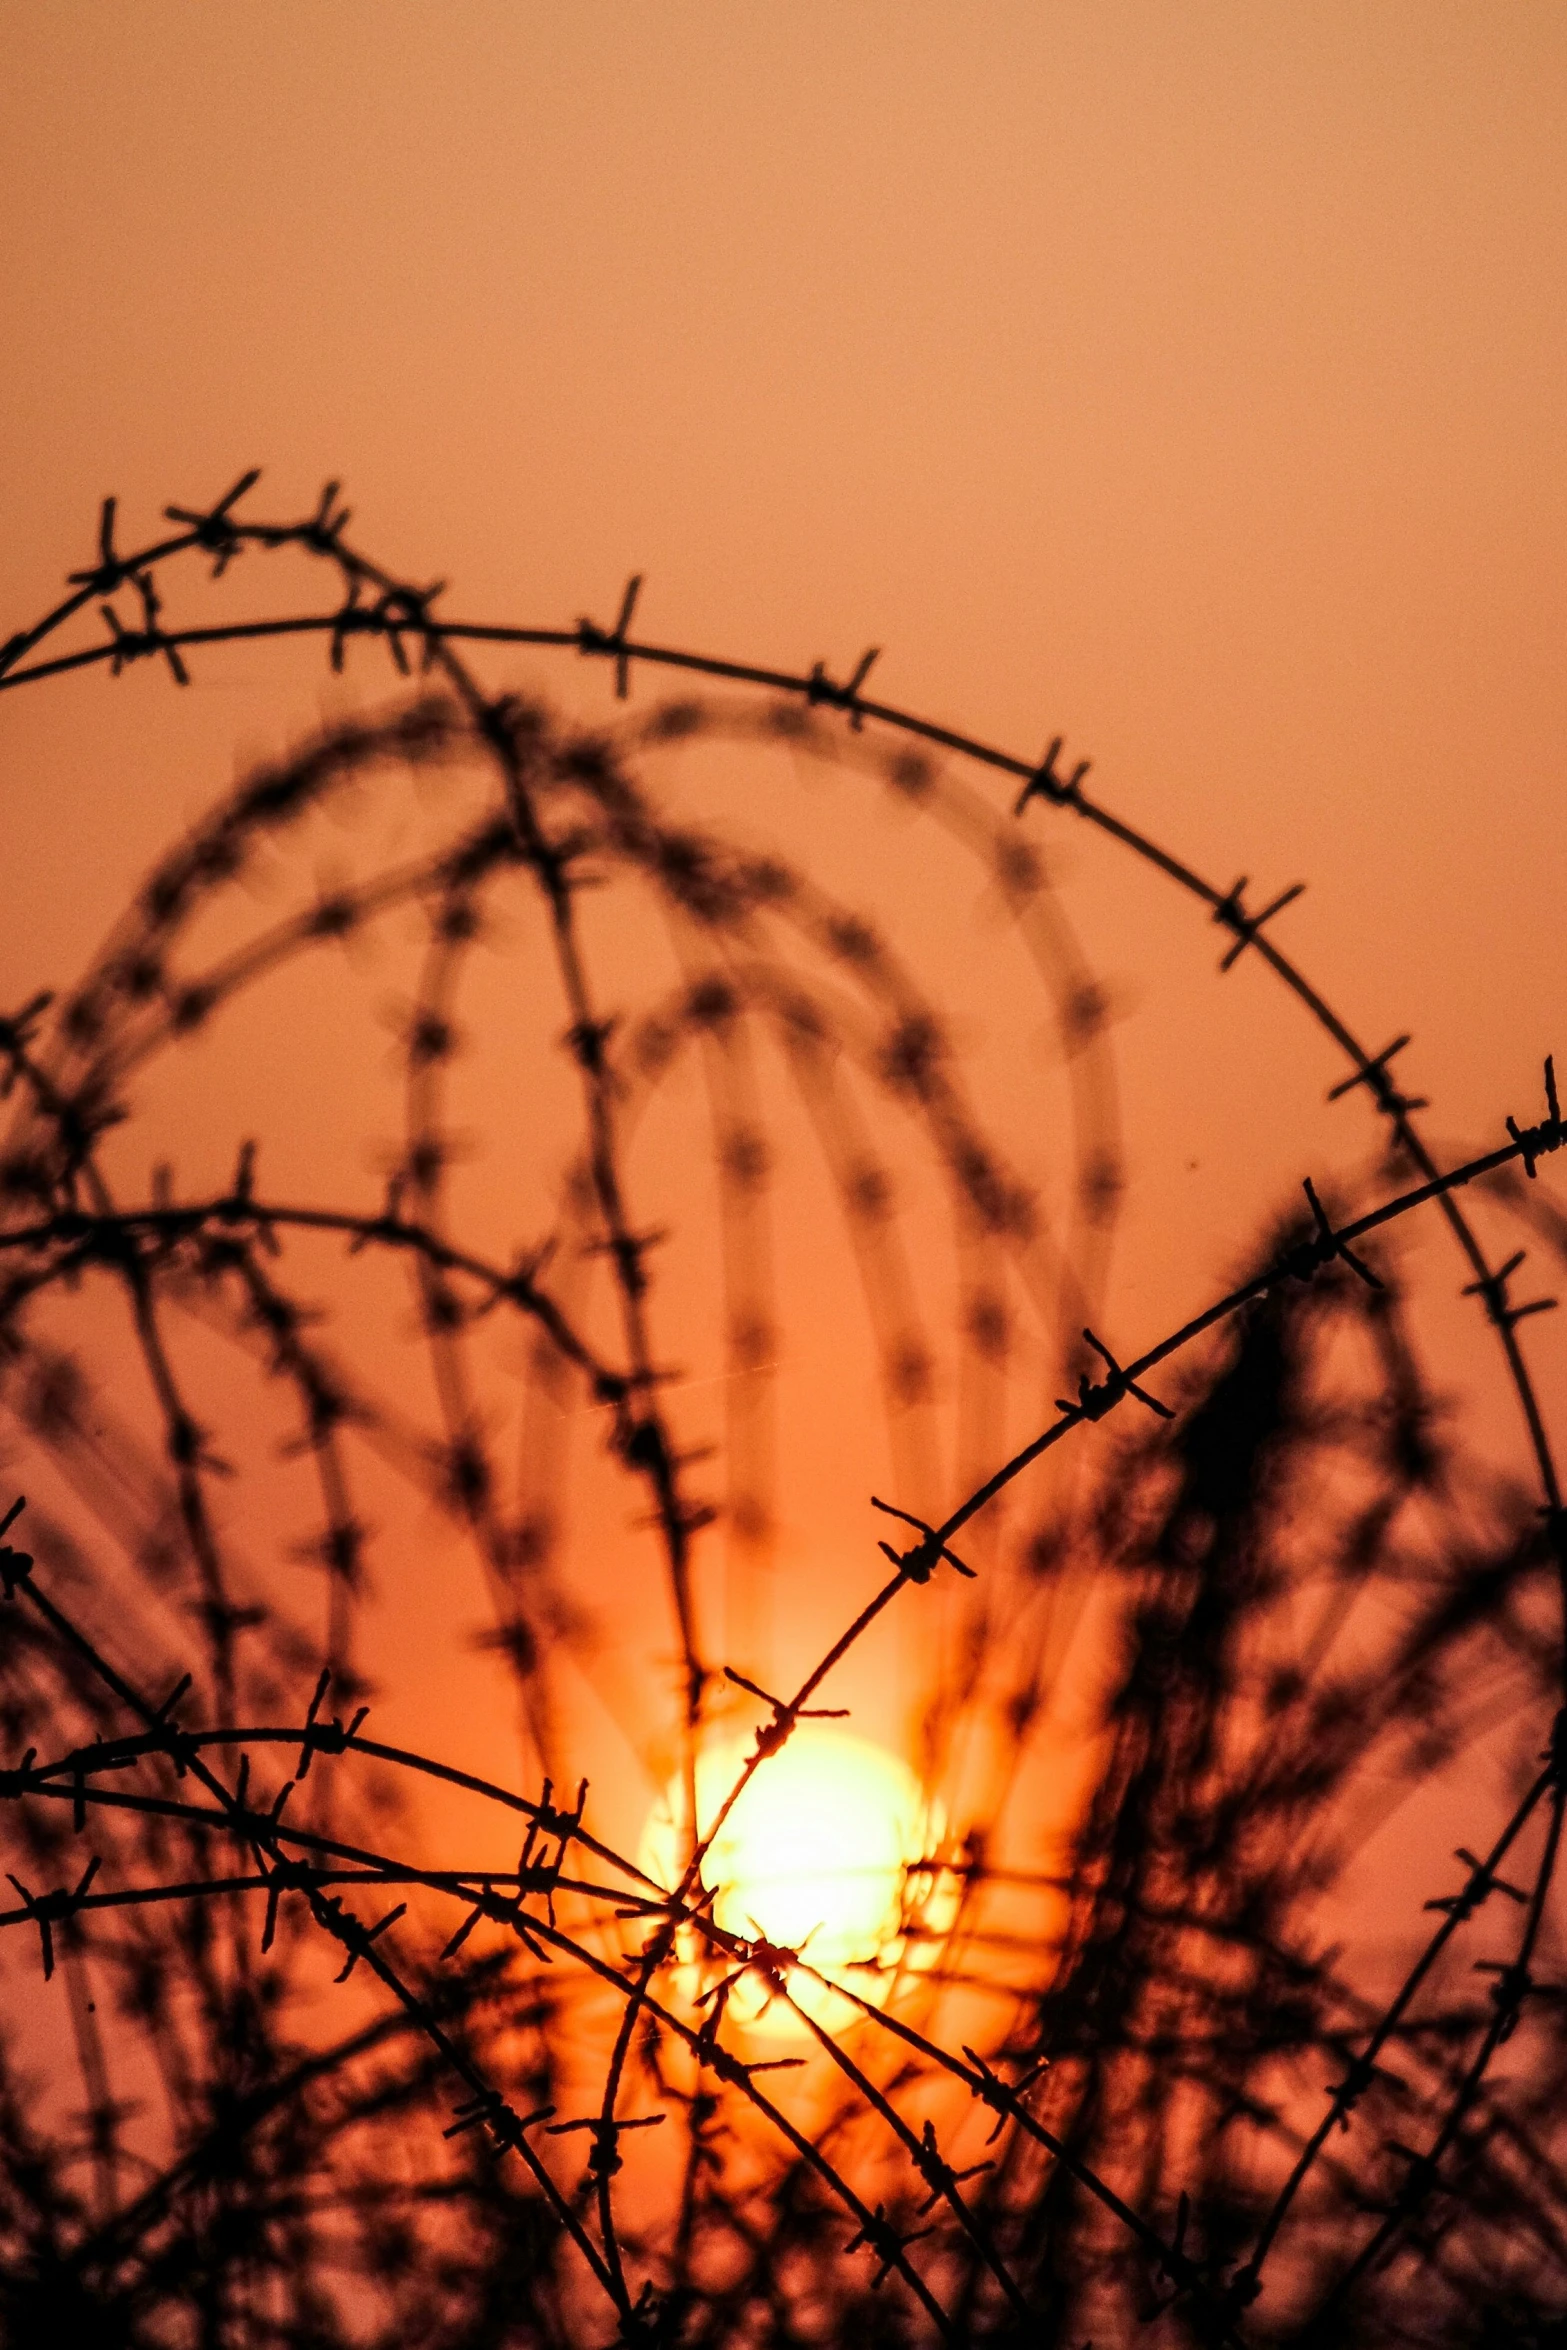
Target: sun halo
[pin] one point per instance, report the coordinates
(815, 1856)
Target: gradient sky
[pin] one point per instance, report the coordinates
(1189, 380)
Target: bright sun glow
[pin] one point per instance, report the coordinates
(814, 1857)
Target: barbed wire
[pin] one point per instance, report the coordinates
(72, 1225)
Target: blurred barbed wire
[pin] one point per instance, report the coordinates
(1080, 2099)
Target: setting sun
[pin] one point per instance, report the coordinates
(815, 1854)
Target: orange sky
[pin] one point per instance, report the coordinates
(1188, 380)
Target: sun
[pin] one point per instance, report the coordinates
(818, 1855)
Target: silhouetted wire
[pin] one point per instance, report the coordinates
(77, 1226)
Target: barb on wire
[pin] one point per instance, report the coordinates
(1536, 1142)
(357, 1939)
(1375, 1077)
(1004, 2100)
(1231, 914)
(775, 1734)
(48, 1910)
(604, 2155)
(1324, 1247)
(509, 1914)
(491, 2111)
(536, 1874)
(920, 1563)
(326, 1737)
(1482, 1882)
(889, 2244)
(399, 611)
(819, 687)
(937, 2172)
(139, 644)
(353, 618)
(214, 529)
(1095, 1398)
(108, 573)
(611, 643)
(1045, 784)
(324, 530)
(1492, 1286)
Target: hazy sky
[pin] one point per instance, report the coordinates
(1187, 379)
